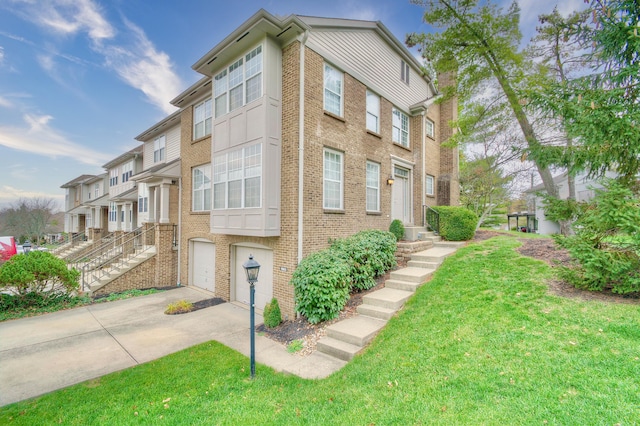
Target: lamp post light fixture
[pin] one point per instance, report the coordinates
(252, 268)
(390, 180)
(26, 247)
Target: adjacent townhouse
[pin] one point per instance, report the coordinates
(123, 192)
(301, 131)
(78, 195)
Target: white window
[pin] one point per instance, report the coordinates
(332, 90)
(404, 72)
(127, 171)
(373, 187)
(400, 131)
(201, 188)
(239, 84)
(237, 179)
(143, 198)
(333, 184)
(158, 149)
(113, 212)
(428, 185)
(429, 128)
(202, 119)
(96, 190)
(113, 177)
(373, 112)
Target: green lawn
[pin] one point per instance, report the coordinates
(481, 343)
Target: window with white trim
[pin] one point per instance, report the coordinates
(373, 112)
(373, 187)
(113, 212)
(429, 185)
(333, 185)
(238, 84)
(127, 171)
(143, 198)
(113, 177)
(202, 119)
(96, 190)
(400, 127)
(158, 149)
(201, 188)
(237, 179)
(333, 90)
(429, 128)
(404, 71)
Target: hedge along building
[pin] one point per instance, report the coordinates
(303, 130)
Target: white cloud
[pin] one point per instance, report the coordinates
(38, 137)
(4, 102)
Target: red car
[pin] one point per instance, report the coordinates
(8, 248)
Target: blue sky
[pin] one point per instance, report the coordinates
(79, 79)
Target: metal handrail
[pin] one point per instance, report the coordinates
(107, 242)
(432, 218)
(113, 259)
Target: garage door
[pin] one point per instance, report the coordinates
(264, 286)
(202, 267)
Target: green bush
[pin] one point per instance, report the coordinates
(369, 254)
(456, 223)
(397, 229)
(321, 283)
(38, 273)
(605, 249)
(271, 314)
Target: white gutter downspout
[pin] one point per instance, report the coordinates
(424, 167)
(303, 41)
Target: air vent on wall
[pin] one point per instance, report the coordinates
(284, 31)
(243, 36)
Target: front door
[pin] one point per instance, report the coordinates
(401, 195)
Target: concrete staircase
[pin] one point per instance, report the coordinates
(69, 250)
(99, 278)
(348, 337)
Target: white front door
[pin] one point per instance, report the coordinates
(401, 195)
(264, 286)
(202, 267)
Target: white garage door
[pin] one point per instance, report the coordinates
(203, 265)
(264, 286)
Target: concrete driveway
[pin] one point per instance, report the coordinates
(41, 354)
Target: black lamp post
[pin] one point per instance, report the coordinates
(26, 247)
(252, 268)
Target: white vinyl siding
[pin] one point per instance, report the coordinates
(237, 179)
(238, 84)
(201, 188)
(202, 119)
(333, 180)
(373, 112)
(429, 186)
(373, 187)
(371, 60)
(400, 129)
(333, 90)
(158, 149)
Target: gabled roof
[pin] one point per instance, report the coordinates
(130, 195)
(100, 201)
(160, 127)
(135, 152)
(159, 171)
(77, 181)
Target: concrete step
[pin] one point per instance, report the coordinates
(411, 274)
(389, 298)
(402, 285)
(337, 348)
(451, 244)
(358, 330)
(436, 254)
(376, 311)
(422, 264)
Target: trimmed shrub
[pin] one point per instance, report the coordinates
(456, 223)
(321, 283)
(271, 314)
(397, 229)
(369, 254)
(39, 273)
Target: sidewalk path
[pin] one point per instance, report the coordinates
(48, 352)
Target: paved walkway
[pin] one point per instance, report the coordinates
(45, 353)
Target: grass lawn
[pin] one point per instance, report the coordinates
(481, 343)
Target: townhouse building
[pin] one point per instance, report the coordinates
(301, 130)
